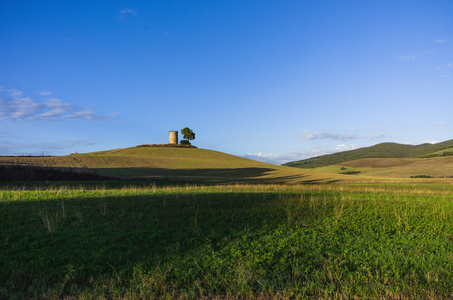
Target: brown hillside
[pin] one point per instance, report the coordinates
(379, 162)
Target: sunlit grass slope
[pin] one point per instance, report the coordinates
(190, 164)
(436, 167)
(444, 152)
(175, 163)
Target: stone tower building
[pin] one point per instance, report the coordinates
(173, 139)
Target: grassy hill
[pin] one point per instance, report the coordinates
(186, 164)
(435, 167)
(383, 150)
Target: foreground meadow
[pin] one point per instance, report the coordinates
(138, 240)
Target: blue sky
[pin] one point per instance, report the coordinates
(275, 81)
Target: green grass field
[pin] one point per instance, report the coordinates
(129, 240)
(195, 223)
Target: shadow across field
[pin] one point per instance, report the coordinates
(111, 235)
(207, 175)
(205, 172)
(9, 172)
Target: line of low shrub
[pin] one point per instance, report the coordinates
(350, 172)
(443, 154)
(168, 145)
(421, 176)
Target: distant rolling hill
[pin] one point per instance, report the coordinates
(186, 164)
(383, 150)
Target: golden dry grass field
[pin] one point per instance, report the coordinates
(439, 168)
(188, 164)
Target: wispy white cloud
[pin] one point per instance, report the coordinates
(377, 136)
(344, 147)
(88, 115)
(55, 109)
(445, 70)
(44, 93)
(15, 92)
(323, 135)
(128, 11)
(444, 41)
(18, 107)
(124, 13)
(445, 67)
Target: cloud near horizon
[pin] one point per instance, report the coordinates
(281, 158)
(22, 108)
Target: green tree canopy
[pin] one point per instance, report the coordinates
(187, 134)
